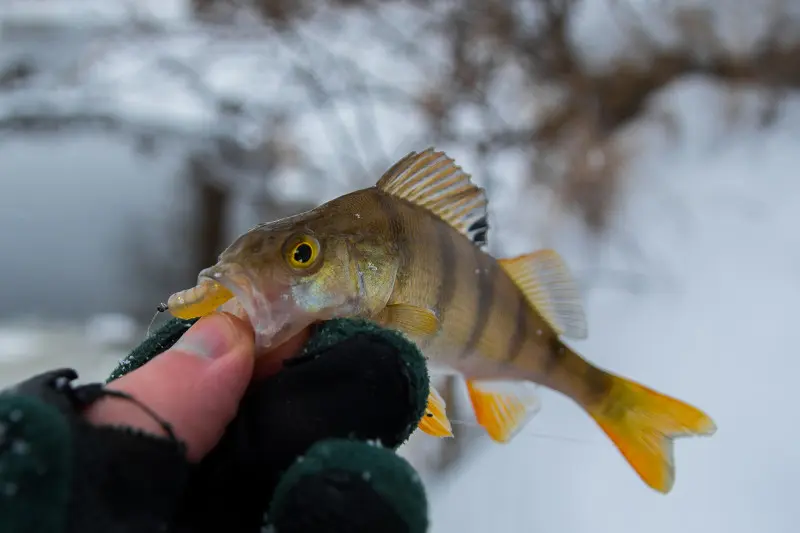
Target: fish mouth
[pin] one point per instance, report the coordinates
(269, 307)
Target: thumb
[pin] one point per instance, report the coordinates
(196, 385)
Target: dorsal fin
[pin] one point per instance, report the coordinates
(544, 279)
(433, 181)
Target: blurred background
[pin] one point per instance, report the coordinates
(652, 143)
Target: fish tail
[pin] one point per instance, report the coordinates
(642, 423)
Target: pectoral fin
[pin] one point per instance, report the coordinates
(411, 320)
(503, 408)
(435, 422)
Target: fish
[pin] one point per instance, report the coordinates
(409, 254)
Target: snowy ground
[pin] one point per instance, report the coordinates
(702, 277)
(714, 219)
(28, 347)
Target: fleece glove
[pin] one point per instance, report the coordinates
(312, 448)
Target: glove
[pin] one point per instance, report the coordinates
(312, 448)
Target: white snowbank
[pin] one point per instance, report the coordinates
(708, 233)
(17, 344)
(712, 220)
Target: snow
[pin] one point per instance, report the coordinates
(713, 218)
(29, 346)
(705, 251)
(87, 12)
(16, 344)
(112, 329)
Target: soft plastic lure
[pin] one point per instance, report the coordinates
(200, 300)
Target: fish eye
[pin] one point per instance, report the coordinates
(303, 252)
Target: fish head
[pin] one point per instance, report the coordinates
(288, 274)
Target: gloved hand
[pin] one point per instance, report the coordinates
(310, 448)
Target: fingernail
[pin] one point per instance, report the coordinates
(210, 337)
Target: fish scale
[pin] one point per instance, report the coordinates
(478, 319)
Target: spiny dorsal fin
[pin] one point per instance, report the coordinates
(548, 285)
(433, 181)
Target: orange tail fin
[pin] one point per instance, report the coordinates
(642, 423)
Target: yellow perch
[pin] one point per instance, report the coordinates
(407, 253)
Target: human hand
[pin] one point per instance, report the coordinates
(195, 386)
(244, 426)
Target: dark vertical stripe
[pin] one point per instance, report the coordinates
(399, 235)
(557, 355)
(448, 264)
(485, 285)
(447, 273)
(517, 341)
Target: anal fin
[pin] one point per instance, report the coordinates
(435, 422)
(503, 408)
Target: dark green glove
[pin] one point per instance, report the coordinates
(311, 449)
